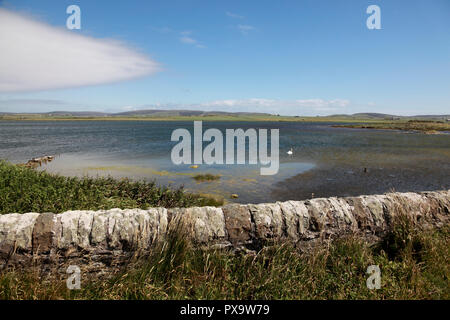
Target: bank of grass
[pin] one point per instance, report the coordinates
(429, 127)
(414, 265)
(26, 190)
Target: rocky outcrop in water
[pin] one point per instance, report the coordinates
(104, 240)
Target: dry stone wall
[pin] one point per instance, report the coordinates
(107, 239)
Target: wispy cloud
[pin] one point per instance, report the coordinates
(187, 39)
(162, 29)
(273, 106)
(245, 29)
(37, 56)
(234, 15)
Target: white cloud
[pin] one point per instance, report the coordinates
(37, 56)
(320, 103)
(189, 40)
(162, 29)
(129, 108)
(273, 106)
(234, 15)
(245, 29)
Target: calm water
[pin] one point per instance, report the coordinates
(326, 162)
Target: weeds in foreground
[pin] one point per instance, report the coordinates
(26, 190)
(178, 271)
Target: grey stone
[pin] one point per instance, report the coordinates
(106, 239)
(238, 223)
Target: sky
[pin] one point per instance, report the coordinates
(299, 57)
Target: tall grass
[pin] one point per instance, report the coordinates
(178, 271)
(26, 190)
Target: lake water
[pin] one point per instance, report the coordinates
(326, 161)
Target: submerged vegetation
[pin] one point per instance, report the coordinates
(206, 177)
(414, 265)
(26, 190)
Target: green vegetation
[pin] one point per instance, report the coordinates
(206, 177)
(26, 190)
(31, 117)
(186, 115)
(411, 125)
(414, 265)
(227, 117)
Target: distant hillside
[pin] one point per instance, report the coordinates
(159, 113)
(76, 114)
(137, 113)
(184, 113)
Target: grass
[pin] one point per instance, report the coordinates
(422, 126)
(26, 190)
(414, 265)
(206, 177)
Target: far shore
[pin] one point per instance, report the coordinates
(188, 118)
(350, 122)
(427, 127)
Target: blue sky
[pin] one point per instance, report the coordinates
(303, 57)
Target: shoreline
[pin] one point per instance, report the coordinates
(413, 127)
(205, 119)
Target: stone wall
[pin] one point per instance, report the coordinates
(106, 239)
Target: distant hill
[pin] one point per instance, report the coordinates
(76, 114)
(161, 113)
(185, 113)
(139, 113)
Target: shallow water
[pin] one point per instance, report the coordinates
(326, 161)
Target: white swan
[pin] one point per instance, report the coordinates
(290, 152)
